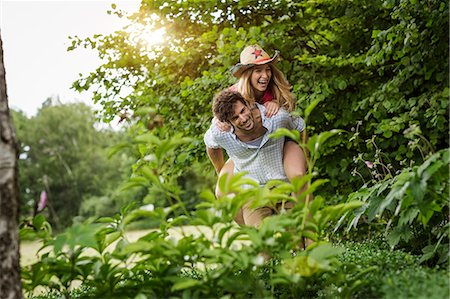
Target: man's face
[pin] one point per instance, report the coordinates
(242, 118)
(260, 77)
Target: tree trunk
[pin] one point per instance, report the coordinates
(10, 284)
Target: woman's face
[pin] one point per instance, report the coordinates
(260, 77)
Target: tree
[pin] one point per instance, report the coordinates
(63, 154)
(10, 284)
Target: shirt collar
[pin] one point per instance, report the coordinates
(266, 121)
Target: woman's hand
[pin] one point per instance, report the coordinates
(225, 127)
(271, 108)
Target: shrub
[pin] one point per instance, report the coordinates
(393, 273)
(413, 206)
(226, 260)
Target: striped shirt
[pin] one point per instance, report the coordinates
(261, 162)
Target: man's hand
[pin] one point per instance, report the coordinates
(271, 108)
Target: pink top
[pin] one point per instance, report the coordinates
(267, 97)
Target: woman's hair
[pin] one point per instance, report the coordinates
(280, 87)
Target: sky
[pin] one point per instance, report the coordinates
(35, 40)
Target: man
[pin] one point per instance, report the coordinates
(248, 144)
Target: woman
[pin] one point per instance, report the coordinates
(262, 82)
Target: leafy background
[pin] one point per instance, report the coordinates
(370, 77)
(381, 65)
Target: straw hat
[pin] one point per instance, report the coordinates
(251, 56)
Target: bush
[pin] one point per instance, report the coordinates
(413, 206)
(392, 273)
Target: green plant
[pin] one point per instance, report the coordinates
(371, 63)
(35, 228)
(207, 242)
(387, 273)
(366, 62)
(414, 205)
(64, 155)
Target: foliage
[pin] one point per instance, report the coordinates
(390, 275)
(35, 228)
(155, 171)
(378, 71)
(160, 264)
(63, 154)
(164, 264)
(368, 69)
(368, 64)
(106, 204)
(213, 261)
(414, 206)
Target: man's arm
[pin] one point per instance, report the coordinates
(216, 157)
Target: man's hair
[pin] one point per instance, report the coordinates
(223, 106)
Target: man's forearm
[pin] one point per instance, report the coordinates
(216, 157)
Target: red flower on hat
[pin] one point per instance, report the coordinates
(257, 53)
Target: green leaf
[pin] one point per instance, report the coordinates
(356, 216)
(313, 187)
(316, 141)
(398, 233)
(139, 246)
(80, 235)
(428, 252)
(135, 182)
(233, 237)
(374, 207)
(148, 173)
(408, 215)
(325, 251)
(105, 220)
(222, 233)
(397, 192)
(342, 84)
(303, 266)
(147, 138)
(332, 213)
(186, 283)
(117, 148)
(311, 107)
(283, 132)
(316, 204)
(110, 238)
(38, 221)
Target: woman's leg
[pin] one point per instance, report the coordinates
(227, 169)
(294, 160)
(254, 217)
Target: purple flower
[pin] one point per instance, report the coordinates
(42, 201)
(369, 164)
